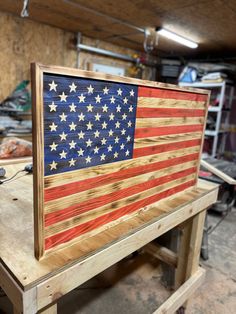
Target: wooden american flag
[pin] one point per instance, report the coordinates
(107, 147)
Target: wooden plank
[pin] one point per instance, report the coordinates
(218, 173)
(11, 288)
(54, 287)
(64, 200)
(38, 156)
(162, 253)
(11, 161)
(178, 298)
(153, 122)
(150, 141)
(121, 79)
(170, 103)
(23, 301)
(70, 177)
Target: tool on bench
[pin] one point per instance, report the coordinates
(27, 168)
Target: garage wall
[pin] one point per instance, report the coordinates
(24, 41)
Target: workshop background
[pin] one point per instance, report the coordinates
(122, 38)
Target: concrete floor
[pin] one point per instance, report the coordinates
(134, 285)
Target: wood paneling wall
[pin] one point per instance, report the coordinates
(23, 41)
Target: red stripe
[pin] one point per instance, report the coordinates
(87, 184)
(96, 202)
(70, 234)
(172, 94)
(167, 130)
(152, 150)
(168, 112)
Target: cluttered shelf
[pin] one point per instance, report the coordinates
(16, 123)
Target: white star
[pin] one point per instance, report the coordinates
(117, 124)
(110, 133)
(122, 146)
(98, 99)
(109, 148)
(72, 107)
(129, 124)
(117, 139)
(63, 97)
(80, 152)
(72, 162)
(72, 87)
(130, 108)
(53, 146)
(105, 90)
(63, 116)
(53, 107)
(53, 127)
(81, 134)
(103, 156)
(104, 125)
(96, 133)
(124, 116)
(63, 154)
(103, 141)
(123, 131)
(72, 144)
(112, 99)
(53, 165)
(53, 86)
(127, 153)
(81, 116)
(72, 126)
(111, 116)
(97, 117)
(119, 92)
(128, 138)
(125, 100)
(116, 155)
(88, 159)
(90, 89)
(131, 93)
(89, 126)
(63, 136)
(118, 108)
(104, 108)
(90, 108)
(89, 143)
(96, 149)
(81, 98)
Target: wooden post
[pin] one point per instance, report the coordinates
(189, 251)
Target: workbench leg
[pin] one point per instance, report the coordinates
(50, 310)
(189, 249)
(16, 311)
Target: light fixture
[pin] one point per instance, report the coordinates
(179, 39)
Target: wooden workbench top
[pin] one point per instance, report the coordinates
(16, 228)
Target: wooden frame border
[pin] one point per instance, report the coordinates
(37, 71)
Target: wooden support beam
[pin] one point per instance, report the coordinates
(162, 253)
(179, 297)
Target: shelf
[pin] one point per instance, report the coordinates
(202, 85)
(214, 133)
(213, 109)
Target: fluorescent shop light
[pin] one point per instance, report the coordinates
(179, 39)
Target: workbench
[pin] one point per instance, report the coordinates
(34, 286)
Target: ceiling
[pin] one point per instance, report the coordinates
(212, 24)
